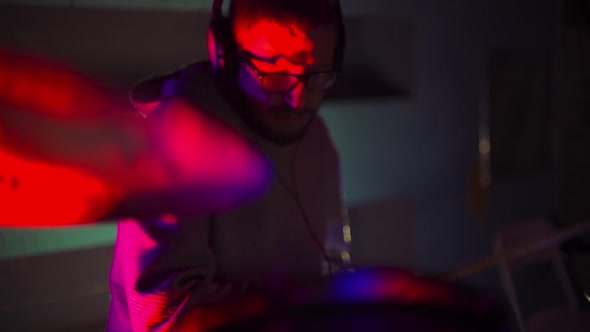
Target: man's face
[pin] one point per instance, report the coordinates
(271, 47)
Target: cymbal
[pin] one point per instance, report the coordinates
(547, 241)
(71, 153)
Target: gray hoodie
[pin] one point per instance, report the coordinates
(164, 269)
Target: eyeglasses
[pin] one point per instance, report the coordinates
(279, 83)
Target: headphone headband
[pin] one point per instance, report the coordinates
(223, 38)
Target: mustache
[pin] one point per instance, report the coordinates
(286, 109)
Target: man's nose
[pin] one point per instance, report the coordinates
(296, 97)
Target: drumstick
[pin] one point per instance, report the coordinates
(518, 251)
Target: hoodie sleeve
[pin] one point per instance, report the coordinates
(162, 268)
(147, 95)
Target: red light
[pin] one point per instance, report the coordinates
(34, 193)
(70, 156)
(33, 84)
(268, 38)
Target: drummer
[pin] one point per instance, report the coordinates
(271, 63)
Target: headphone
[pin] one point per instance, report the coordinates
(222, 46)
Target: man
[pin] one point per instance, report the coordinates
(268, 84)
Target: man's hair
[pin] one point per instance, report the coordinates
(303, 13)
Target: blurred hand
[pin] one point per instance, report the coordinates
(71, 153)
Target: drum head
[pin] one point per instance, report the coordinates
(367, 300)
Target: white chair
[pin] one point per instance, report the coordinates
(559, 318)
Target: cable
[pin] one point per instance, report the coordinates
(294, 192)
(257, 139)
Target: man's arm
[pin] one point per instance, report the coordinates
(162, 268)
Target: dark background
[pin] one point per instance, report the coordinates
(406, 118)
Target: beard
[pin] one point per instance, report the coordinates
(281, 124)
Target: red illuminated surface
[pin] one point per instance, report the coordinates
(34, 84)
(278, 47)
(35, 193)
(199, 148)
(66, 158)
(269, 38)
(231, 311)
(150, 309)
(181, 149)
(396, 286)
(145, 308)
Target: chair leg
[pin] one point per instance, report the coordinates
(511, 294)
(566, 284)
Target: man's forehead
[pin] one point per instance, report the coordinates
(269, 38)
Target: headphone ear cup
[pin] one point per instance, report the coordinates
(213, 49)
(220, 44)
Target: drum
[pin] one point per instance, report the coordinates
(366, 300)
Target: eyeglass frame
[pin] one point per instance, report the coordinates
(301, 78)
